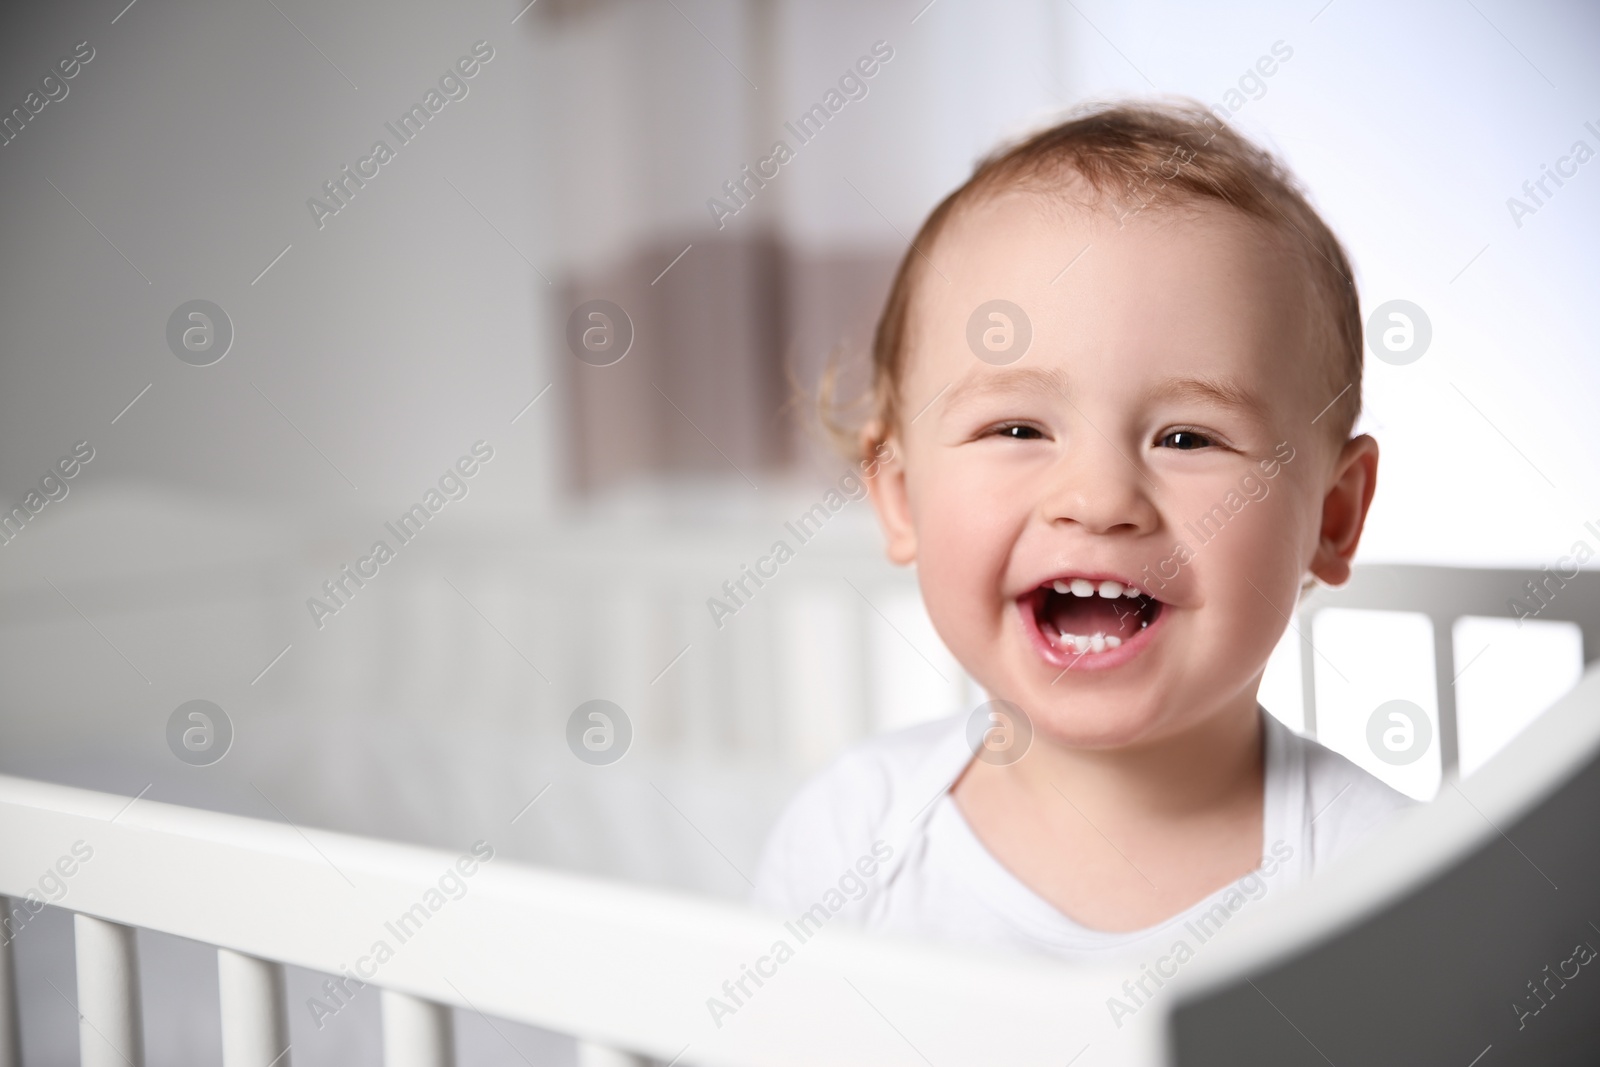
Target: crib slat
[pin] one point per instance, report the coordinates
(1305, 619)
(110, 1027)
(10, 1030)
(416, 1032)
(1444, 667)
(255, 1016)
(590, 1055)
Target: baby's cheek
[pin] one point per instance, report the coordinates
(954, 565)
(1252, 571)
(962, 550)
(958, 515)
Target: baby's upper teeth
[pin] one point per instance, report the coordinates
(1084, 587)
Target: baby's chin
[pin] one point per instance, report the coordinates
(1097, 722)
(1086, 713)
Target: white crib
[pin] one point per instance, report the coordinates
(621, 967)
(625, 969)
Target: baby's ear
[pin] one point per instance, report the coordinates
(883, 466)
(1344, 509)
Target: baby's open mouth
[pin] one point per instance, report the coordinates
(1084, 615)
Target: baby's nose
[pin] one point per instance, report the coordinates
(1097, 488)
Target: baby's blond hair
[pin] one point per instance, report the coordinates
(1135, 156)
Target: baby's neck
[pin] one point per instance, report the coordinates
(1202, 768)
(1120, 839)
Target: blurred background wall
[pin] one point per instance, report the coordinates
(374, 345)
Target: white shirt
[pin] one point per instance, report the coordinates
(877, 839)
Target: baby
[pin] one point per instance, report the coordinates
(1116, 377)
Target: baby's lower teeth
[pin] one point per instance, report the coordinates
(1082, 644)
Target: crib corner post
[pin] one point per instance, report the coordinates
(416, 1032)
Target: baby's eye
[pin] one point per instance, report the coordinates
(1185, 440)
(1018, 432)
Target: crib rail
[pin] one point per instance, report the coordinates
(1444, 595)
(617, 966)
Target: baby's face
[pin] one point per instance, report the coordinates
(1111, 530)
